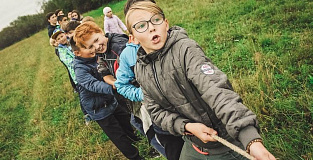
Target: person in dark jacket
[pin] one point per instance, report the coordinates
(52, 19)
(52, 26)
(108, 47)
(100, 103)
(186, 94)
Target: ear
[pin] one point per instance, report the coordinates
(132, 39)
(52, 41)
(56, 44)
(77, 53)
(167, 24)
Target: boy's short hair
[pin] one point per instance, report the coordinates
(48, 15)
(56, 32)
(57, 11)
(84, 31)
(72, 25)
(88, 18)
(60, 18)
(130, 2)
(145, 6)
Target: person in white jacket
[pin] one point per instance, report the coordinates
(112, 24)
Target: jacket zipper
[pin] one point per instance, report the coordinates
(158, 83)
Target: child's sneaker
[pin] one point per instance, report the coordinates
(87, 119)
(154, 154)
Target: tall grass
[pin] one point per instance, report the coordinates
(265, 48)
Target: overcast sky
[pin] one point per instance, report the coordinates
(11, 9)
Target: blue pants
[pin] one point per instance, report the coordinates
(154, 143)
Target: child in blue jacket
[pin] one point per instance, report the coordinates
(124, 78)
(125, 74)
(127, 86)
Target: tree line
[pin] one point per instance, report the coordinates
(25, 26)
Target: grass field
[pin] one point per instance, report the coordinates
(265, 47)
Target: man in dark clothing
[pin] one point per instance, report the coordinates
(52, 26)
(52, 19)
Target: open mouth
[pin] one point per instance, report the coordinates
(155, 39)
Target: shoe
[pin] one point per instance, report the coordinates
(154, 154)
(87, 119)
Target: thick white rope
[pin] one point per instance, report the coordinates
(233, 147)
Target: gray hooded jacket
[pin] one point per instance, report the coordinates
(167, 105)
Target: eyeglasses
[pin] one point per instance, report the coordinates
(142, 26)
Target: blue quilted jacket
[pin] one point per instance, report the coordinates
(125, 74)
(96, 96)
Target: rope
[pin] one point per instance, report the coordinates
(233, 147)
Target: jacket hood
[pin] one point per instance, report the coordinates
(115, 38)
(132, 45)
(175, 34)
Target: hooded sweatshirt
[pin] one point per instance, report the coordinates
(168, 106)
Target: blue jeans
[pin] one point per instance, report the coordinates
(154, 143)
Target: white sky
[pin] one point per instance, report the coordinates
(11, 9)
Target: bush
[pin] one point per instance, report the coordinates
(25, 26)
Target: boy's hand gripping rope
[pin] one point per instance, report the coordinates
(233, 147)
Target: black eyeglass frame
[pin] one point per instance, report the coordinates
(163, 17)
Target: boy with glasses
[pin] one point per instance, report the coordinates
(186, 94)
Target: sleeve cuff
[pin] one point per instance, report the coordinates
(179, 125)
(248, 134)
(140, 95)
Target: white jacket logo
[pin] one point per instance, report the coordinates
(206, 69)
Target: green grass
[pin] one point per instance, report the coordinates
(265, 48)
